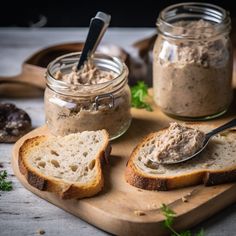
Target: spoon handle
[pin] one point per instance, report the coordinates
(97, 28)
(228, 125)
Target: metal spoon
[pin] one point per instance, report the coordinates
(208, 136)
(97, 28)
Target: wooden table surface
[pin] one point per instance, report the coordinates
(21, 212)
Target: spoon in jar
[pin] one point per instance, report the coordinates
(97, 28)
(208, 136)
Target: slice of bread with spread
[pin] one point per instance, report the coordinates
(215, 165)
(69, 166)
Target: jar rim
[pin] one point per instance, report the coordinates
(61, 86)
(212, 12)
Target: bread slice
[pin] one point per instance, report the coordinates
(216, 165)
(70, 166)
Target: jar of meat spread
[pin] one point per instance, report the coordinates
(92, 98)
(192, 61)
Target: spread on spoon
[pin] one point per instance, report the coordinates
(177, 142)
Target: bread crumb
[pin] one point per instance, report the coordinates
(140, 190)
(152, 206)
(184, 199)
(41, 231)
(139, 213)
(208, 164)
(189, 194)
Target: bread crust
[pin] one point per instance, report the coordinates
(145, 181)
(213, 178)
(66, 190)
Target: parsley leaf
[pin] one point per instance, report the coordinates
(169, 220)
(200, 233)
(4, 185)
(185, 233)
(138, 94)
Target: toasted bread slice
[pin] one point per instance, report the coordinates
(215, 165)
(70, 166)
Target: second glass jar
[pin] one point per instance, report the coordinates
(76, 108)
(192, 61)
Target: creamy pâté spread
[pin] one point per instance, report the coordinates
(87, 75)
(177, 142)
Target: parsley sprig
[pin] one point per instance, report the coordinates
(4, 184)
(138, 94)
(169, 220)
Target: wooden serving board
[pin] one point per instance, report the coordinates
(115, 208)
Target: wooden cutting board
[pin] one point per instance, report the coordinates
(115, 208)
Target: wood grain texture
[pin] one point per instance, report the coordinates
(115, 208)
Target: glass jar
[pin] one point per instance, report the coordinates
(192, 61)
(75, 108)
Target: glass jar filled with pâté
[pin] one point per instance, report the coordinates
(92, 98)
(193, 61)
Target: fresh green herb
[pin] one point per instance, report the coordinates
(4, 184)
(200, 233)
(169, 220)
(139, 93)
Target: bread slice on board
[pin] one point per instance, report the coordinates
(216, 165)
(70, 166)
